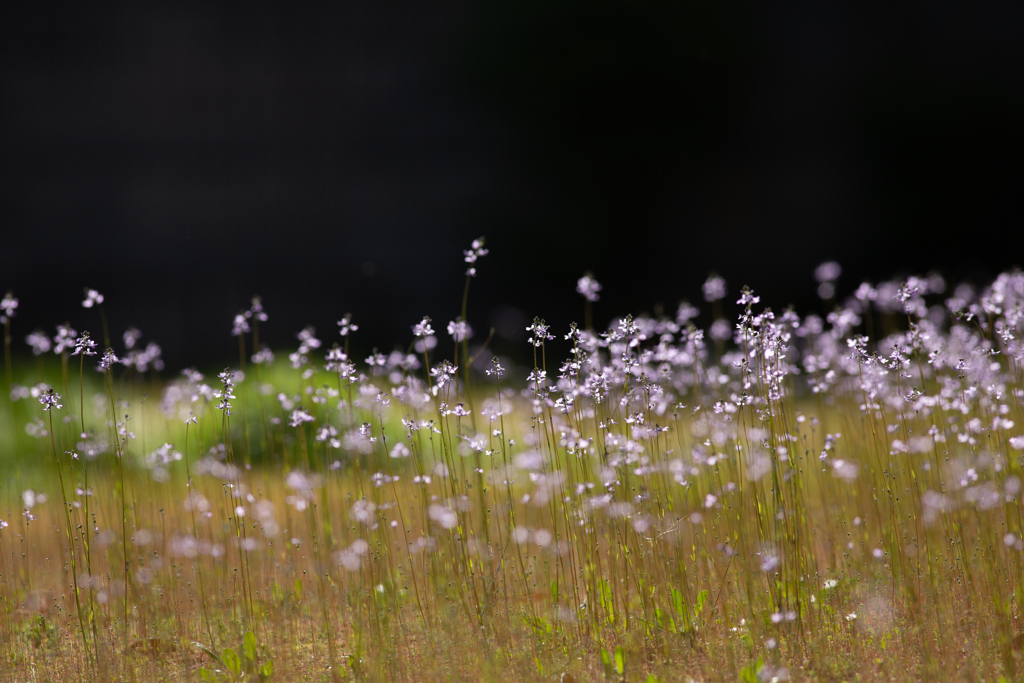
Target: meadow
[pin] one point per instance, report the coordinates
(776, 497)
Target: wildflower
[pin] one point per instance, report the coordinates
(443, 373)
(345, 325)
(303, 485)
(308, 340)
(714, 288)
(859, 344)
(131, 337)
(325, 433)
(256, 310)
(92, 298)
(425, 344)
(50, 400)
(905, 294)
(826, 274)
(108, 359)
(845, 470)
(471, 255)
(627, 326)
(8, 304)
(496, 370)
(540, 332)
(720, 330)
(65, 339)
(443, 515)
(380, 479)
(685, 313)
(298, 417)
(747, 297)
(865, 292)
(84, 346)
(460, 330)
(39, 342)
(240, 325)
(363, 511)
(225, 394)
(376, 359)
(588, 288)
(423, 328)
(263, 357)
(30, 498)
(336, 359)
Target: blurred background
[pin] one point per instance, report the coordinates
(337, 157)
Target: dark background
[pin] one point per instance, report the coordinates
(337, 157)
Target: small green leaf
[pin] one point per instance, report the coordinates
(267, 669)
(620, 661)
(677, 602)
(748, 674)
(702, 597)
(231, 661)
(606, 600)
(211, 653)
(249, 645)
(206, 674)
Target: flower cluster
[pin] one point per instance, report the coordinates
(9, 304)
(92, 298)
(475, 252)
(226, 393)
(50, 400)
(588, 288)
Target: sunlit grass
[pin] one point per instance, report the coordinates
(800, 502)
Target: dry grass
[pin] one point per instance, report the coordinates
(680, 519)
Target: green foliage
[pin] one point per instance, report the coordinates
(233, 666)
(749, 673)
(607, 604)
(40, 632)
(614, 663)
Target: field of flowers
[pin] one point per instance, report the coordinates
(777, 497)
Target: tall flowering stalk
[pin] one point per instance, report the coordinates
(107, 362)
(8, 305)
(461, 333)
(84, 346)
(51, 400)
